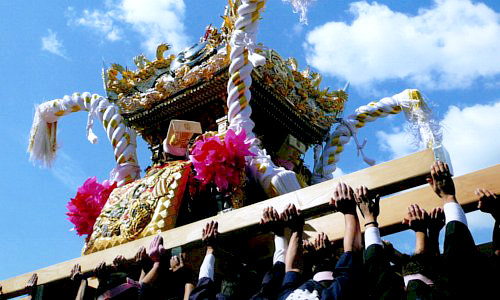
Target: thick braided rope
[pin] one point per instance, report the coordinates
(274, 180)
(122, 138)
(238, 88)
(407, 100)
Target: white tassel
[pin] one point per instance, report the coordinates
(42, 146)
(90, 125)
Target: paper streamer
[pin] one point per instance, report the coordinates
(43, 145)
(300, 6)
(425, 128)
(274, 180)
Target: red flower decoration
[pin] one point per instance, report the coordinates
(90, 198)
(220, 162)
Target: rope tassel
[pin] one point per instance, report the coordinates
(424, 127)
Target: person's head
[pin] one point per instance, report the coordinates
(421, 264)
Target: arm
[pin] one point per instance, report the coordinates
(382, 282)
(143, 261)
(344, 200)
(442, 184)
(272, 222)
(489, 203)
(177, 266)
(31, 287)
(293, 259)
(461, 259)
(416, 221)
(76, 276)
(458, 241)
(369, 207)
(205, 287)
(188, 288)
(156, 252)
(209, 237)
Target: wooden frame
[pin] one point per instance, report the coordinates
(385, 178)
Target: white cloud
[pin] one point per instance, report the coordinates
(471, 136)
(468, 135)
(157, 21)
(446, 46)
(103, 22)
(51, 44)
(399, 142)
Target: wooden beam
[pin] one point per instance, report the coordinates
(385, 178)
(394, 208)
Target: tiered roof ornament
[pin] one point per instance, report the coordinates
(249, 116)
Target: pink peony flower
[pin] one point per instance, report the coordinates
(90, 198)
(220, 162)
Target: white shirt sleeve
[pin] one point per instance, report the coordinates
(280, 245)
(454, 212)
(372, 236)
(207, 268)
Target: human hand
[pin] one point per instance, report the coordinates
(368, 204)
(101, 270)
(120, 263)
(441, 181)
(322, 244)
(416, 218)
(76, 273)
(488, 202)
(292, 217)
(31, 285)
(343, 199)
(272, 221)
(156, 249)
(176, 262)
(141, 257)
(210, 233)
(436, 220)
(308, 247)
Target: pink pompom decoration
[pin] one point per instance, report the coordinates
(220, 162)
(90, 198)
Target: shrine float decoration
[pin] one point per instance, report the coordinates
(227, 120)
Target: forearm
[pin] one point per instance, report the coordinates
(420, 238)
(152, 274)
(351, 240)
(293, 258)
(143, 274)
(188, 288)
(81, 289)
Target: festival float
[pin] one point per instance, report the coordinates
(228, 122)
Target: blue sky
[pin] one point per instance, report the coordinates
(449, 49)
